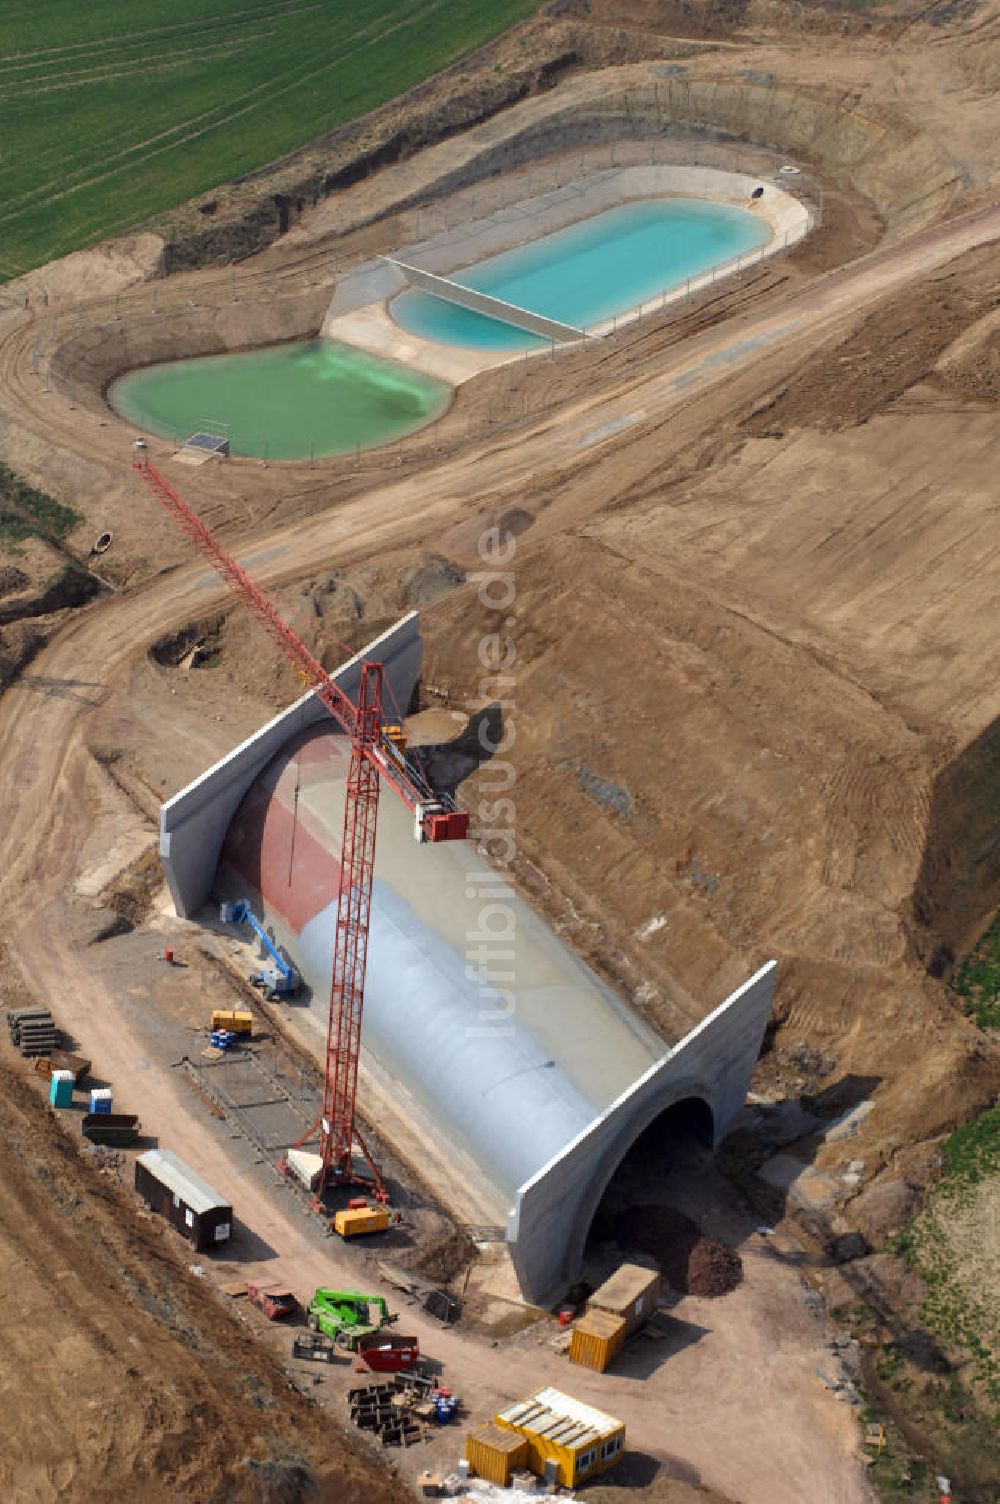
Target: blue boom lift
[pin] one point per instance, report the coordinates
(279, 980)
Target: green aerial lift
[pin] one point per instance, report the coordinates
(347, 1315)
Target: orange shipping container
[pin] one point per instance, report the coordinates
(597, 1339)
(495, 1454)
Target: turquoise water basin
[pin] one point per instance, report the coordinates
(589, 272)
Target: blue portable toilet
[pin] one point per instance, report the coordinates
(61, 1089)
(100, 1099)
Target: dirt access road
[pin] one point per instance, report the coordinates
(748, 1452)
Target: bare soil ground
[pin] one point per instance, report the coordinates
(102, 1319)
(126, 1009)
(755, 706)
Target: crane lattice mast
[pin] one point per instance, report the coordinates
(374, 759)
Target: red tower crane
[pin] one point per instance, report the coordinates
(375, 759)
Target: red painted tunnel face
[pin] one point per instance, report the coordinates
(273, 844)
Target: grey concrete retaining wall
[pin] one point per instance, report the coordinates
(193, 823)
(548, 1227)
(905, 173)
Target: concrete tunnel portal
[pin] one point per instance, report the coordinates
(532, 1073)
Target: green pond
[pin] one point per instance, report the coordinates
(287, 402)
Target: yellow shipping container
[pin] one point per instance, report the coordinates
(596, 1340)
(235, 1020)
(354, 1221)
(495, 1454)
(568, 1441)
(632, 1292)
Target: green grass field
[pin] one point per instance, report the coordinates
(114, 110)
(977, 979)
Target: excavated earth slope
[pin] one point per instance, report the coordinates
(102, 1320)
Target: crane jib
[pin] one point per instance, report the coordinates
(375, 759)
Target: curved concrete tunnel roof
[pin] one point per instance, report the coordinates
(471, 1002)
(523, 1062)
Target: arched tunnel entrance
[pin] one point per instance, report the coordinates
(666, 1202)
(678, 1140)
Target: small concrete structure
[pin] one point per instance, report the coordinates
(520, 1066)
(480, 302)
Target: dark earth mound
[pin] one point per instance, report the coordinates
(691, 1263)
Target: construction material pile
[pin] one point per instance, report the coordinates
(312, 1347)
(713, 1269)
(397, 1412)
(32, 1030)
(691, 1263)
(108, 1161)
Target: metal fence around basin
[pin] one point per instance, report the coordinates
(131, 315)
